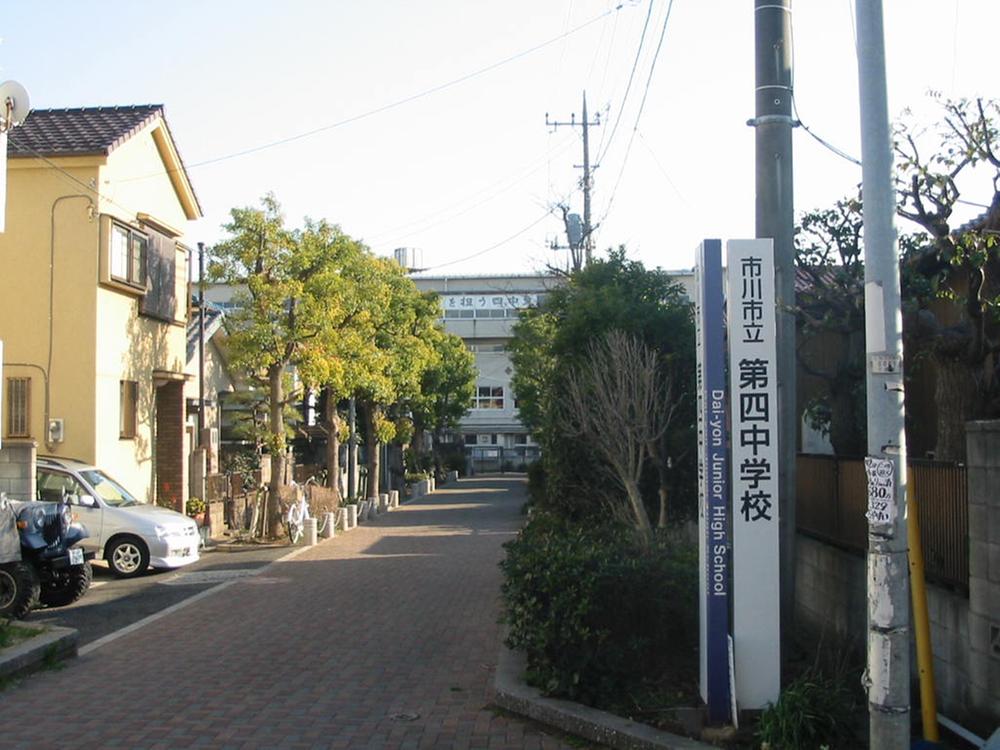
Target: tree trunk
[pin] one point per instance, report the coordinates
(332, 416)
(372, 446)
(956, 394)
(276, 426)
(642, 524)
(436, 453)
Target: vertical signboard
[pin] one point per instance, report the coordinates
(713, 480)
(754, 425)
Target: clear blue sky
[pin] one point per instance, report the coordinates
(462, 169)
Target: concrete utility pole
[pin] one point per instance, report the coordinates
(888, 672)
(586, 124)
(775, 219)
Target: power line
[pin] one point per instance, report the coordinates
(502, 242)
(12, 135)
(642, 105)
(795, 109)
(386, 107)
(628, 86)
(518, 177)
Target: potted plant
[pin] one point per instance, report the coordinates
(196, 509)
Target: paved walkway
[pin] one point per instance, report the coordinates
(385, 637)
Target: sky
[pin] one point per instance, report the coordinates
(423, 124)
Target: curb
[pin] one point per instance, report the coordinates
(31, 655)
(589, 723)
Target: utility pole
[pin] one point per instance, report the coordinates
(888, 672)
(201, 376)
(586, 183)
(352, 449)
(775, 219)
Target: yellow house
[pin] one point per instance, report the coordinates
(94, 300)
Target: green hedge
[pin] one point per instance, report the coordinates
(597, 616)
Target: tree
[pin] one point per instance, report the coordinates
(831, 317)
(403, 321)
(551, 340)
(955, 323)
(447, 387)
(619, 401)
(289, 300)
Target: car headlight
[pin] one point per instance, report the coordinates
(66, 517)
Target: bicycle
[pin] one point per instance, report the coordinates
(297, 513)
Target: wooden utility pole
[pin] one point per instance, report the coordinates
(587, 181)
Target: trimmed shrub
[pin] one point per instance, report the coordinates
(597, 616)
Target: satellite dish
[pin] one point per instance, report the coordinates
(14, 104)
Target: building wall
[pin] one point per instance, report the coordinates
(98, 337)
(133, 346)
(52, 273)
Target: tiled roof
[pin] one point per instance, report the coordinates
(80, 131)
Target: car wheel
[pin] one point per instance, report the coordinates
(73, 585)
(19, 590)
(128, 557)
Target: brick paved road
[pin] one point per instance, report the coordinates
(384, 637)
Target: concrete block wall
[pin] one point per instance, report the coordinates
(831, 599)
(965, 631)
(983, 471)
(17, 468)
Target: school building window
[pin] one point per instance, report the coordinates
(488, 397)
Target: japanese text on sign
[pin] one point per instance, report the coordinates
(881, 492)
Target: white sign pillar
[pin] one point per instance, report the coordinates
(755, 457)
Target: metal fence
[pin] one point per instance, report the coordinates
(831, 500)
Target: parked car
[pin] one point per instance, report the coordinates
(131, 535)
(39, 561)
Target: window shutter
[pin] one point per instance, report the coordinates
(161, 271)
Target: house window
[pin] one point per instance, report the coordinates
(128, 398)
(488, 397)
(128, 255)
(18, 407)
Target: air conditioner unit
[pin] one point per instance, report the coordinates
(57, 431)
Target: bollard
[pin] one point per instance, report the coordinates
(309, 532)
(329, 525)
(383, 502)
(352, 515)
(452, 476)
(430, 483)
(394, 499)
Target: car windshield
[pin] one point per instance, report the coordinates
(110, 491)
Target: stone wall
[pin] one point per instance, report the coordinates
(830, 596)
(17, 469)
